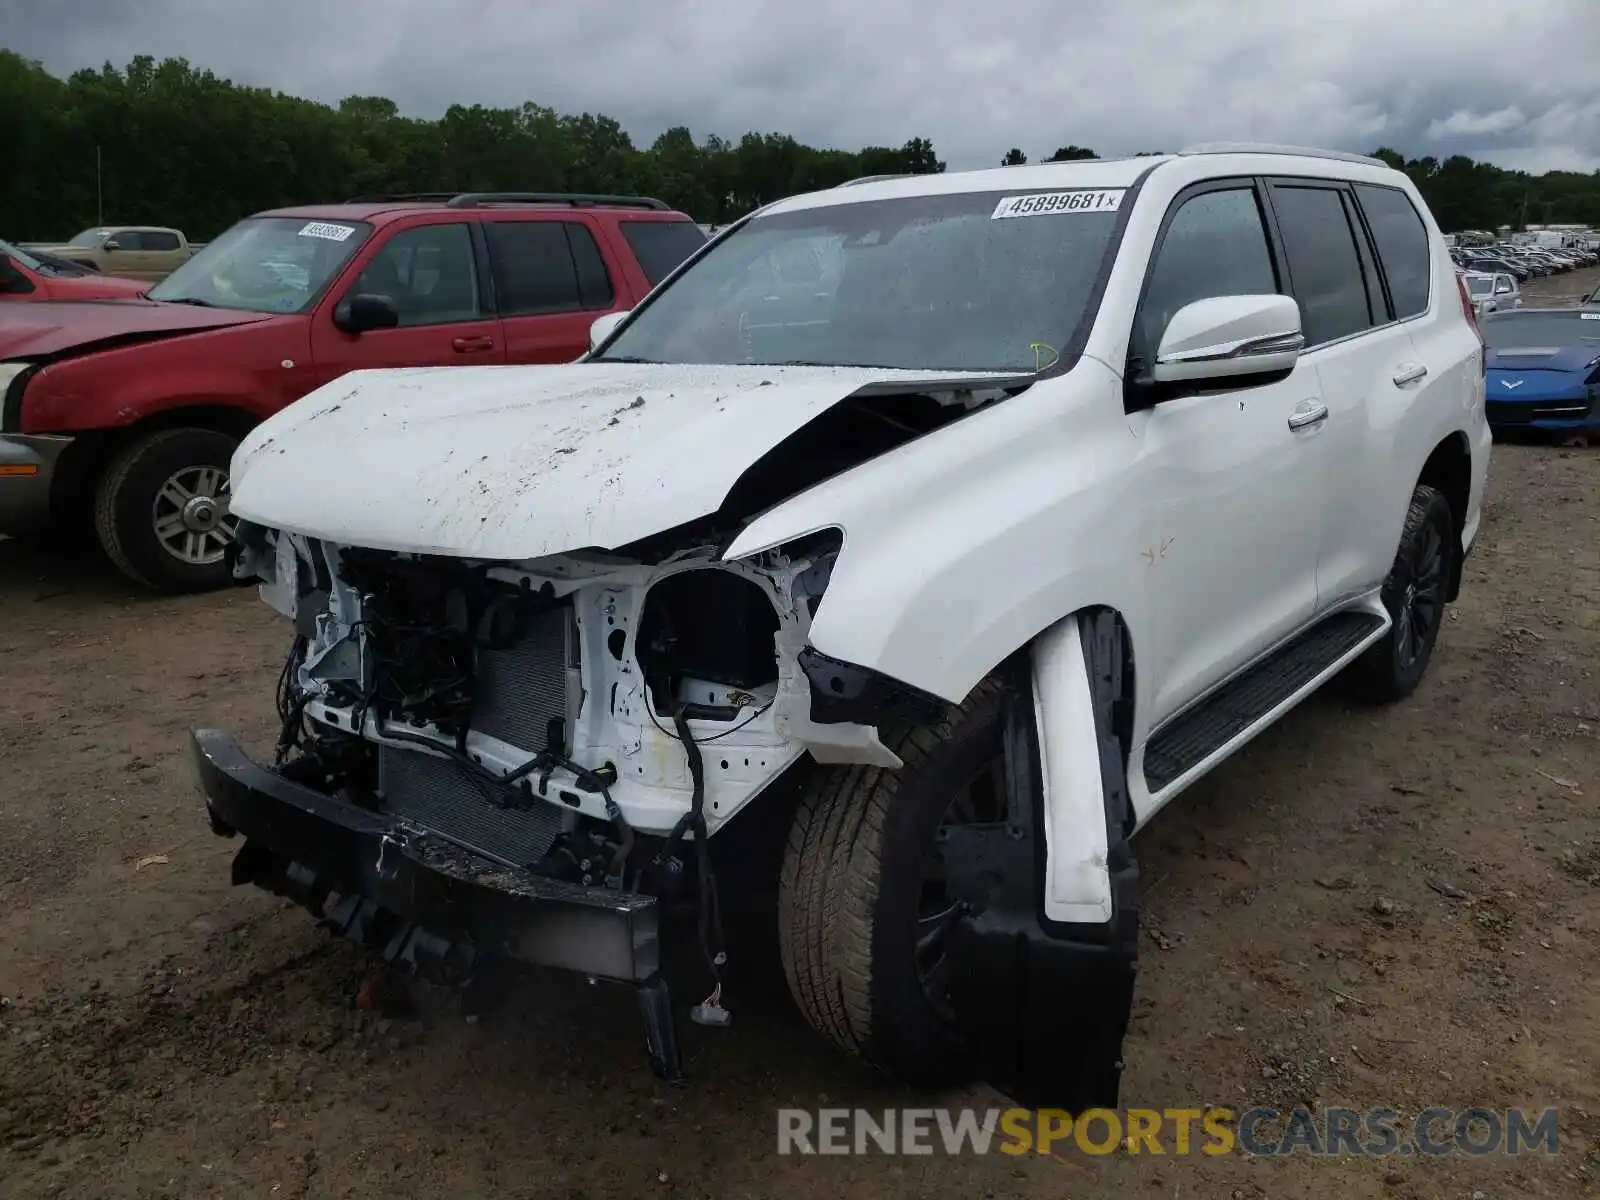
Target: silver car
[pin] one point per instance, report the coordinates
(1493, 291)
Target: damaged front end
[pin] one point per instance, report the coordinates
(520, 759)
(495, 747)
(484, 761)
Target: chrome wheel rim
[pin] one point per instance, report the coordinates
(190, 515)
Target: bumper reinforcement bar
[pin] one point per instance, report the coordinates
(429, 907)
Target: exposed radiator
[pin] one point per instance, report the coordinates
(525, 691)
(437, 794)
(523, 694)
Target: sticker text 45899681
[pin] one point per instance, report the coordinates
(1051, 204)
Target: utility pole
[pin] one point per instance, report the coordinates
(99, 194)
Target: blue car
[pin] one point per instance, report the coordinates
(1543, 369)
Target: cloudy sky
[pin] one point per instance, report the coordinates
(1514, 83)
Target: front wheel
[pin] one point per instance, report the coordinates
(1414, 593)
(161, 510)
(865, 903)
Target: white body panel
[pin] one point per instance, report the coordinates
(1217, 525)
(523, 462)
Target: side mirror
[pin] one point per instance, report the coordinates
(365, 311)
(604, 327)
(111, 244)
(1227, 336)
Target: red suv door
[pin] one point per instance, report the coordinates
(432, 275)
(551, 280)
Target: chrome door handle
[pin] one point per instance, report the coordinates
(1307, 413)
(1409, 373)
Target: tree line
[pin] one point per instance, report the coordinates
(172, 144)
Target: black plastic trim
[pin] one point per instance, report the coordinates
(306, 845)
(488, 298)
(1045, 1005)
(845, 694)
(572, 199)
(1202, 728)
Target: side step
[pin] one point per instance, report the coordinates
(1203, 729)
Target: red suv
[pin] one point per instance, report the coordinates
(131, 410)
(27, 276)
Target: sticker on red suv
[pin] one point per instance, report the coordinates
(326, 230)
(1050, 204)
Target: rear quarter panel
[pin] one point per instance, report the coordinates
(1451, 399)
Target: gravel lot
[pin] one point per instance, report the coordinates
(1367, 908)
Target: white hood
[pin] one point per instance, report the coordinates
(521, 462)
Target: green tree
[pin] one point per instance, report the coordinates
(166, 142)
(1014, 158)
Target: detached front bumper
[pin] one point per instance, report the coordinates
(422, 900)
(428, 906)
(27, 467)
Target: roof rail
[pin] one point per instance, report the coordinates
(1274, 148)
(480, 199)
(575, 199)
(877, 178)
(396, 197)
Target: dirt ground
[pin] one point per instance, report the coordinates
(1371, 908)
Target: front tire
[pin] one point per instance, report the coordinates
(1414, 593)
(161, 510)
(856, 924)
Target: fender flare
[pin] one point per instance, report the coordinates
(1045, 1003)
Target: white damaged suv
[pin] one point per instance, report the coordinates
(953, 523)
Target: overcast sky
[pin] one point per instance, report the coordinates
(1516, 83)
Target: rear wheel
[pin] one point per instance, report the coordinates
(1414, 593)
(864, 905)
(161, 510)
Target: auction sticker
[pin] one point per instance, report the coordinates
(326, 230)
(1594, 316)
(1050, 204)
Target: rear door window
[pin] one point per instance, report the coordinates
(156, 240)
(543, 267)
(661, 245)
(1324, 266)
(1402, 241)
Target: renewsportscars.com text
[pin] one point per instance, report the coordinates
(1374, 1132)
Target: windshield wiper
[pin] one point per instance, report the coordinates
(197, 303)
(623, 358)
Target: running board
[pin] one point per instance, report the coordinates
(1244, 701)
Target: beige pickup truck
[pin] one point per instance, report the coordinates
(131, 251)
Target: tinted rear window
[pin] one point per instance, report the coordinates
(547, 267)
(662, 245)
(1323, 263)
(1402, 245)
